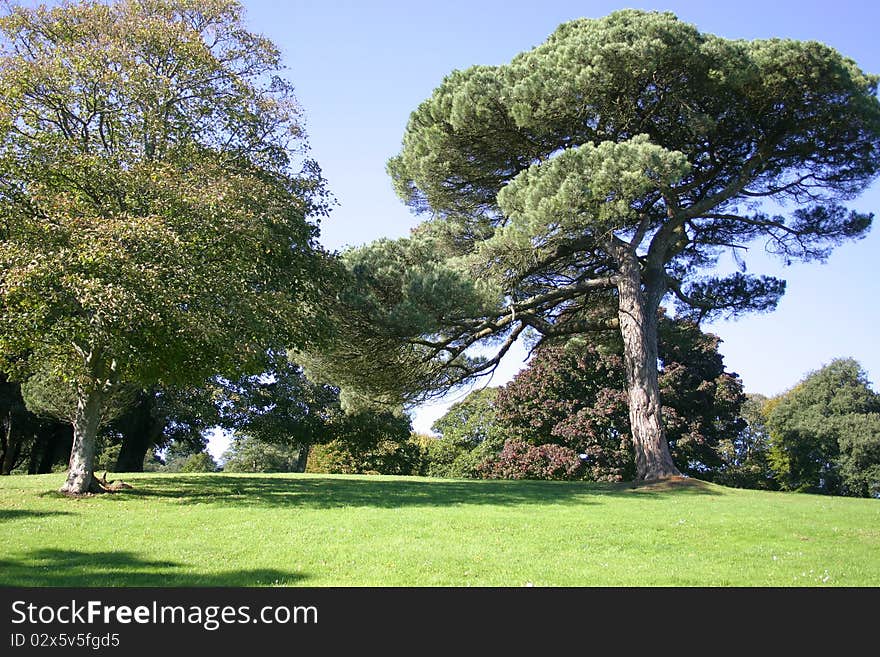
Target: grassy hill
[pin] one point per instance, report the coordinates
(320, 530)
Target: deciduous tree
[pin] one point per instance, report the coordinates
(575, 395)
(470, 421)
(825, 433)
(281, 406)
(745, 454)
(156, 210)
(248, 454)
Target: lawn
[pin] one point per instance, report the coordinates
(320, 530)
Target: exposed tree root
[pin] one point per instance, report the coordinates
(100, 486)
(669, 483)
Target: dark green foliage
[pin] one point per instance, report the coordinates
(108, 456)
(161, 417)
(461, 460)
(144, 420)
(858, 436)
(637, 123)
(179, 452)
(153, 462)
(201, 462)
(279, 415)
(49, 395)
(445, 458)
(280, 405)
(159, 219)
(282, 420)
(701, 401)
(573, 189)
(138, 429)
(823, 433)
(369, 443)
(28, 442)
(18, 427)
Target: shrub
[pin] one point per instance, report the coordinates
(521, 460)
(383, 457)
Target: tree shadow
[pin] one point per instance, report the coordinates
(53, 567)
(20, 514)
(335, 492)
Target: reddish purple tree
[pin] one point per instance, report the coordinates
(574, 395)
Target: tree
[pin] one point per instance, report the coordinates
(248, 454)
(745, 455)
(858, 436)
(138, 429)
(200, 462)
(158, 416)
(574, 395)
(521, 460)
(576, 187)
(369, 442)
(282, 407)
(824, 434)
(177, 454)
(18, 427)
(470, 421)
(155, 205)
(469, 436)
(701, 401)
(51, 447)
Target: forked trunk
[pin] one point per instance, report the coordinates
(81, 469)
(638, 327)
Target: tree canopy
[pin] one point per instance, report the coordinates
(248, 454)
(825, 433)
(280, 412)
(745, 455)
(470, 421)
(157, 213)
(573, 189)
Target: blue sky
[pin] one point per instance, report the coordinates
(360, 68)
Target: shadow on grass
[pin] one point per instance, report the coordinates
(49, 567)
(331, 492)
(23, 514)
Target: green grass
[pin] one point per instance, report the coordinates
(319, 530)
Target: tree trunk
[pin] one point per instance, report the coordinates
(133, 452)
(59, 442)
(302, 457)
(11, 446)
(638, 327)
(140, 431)
(80, 473)
(42, 443)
